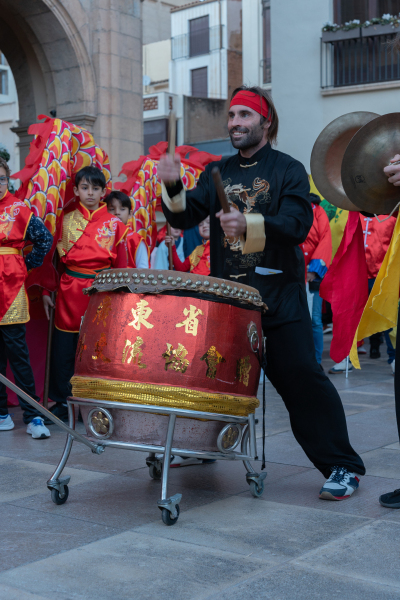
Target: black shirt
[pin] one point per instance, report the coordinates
(277, 186)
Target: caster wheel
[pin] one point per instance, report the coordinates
(256, 490)
(154, 472)
(55, 495)
(166, 516)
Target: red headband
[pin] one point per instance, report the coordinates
(252, 100)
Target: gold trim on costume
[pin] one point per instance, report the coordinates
(19, 310)
(176, 204)
(5, 250)
(255, 234)
(113, 390)
(73, 227)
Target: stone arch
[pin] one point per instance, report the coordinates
(49, 61)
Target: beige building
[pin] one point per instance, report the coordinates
(81, 61)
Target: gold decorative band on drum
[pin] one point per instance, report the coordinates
(113, 390)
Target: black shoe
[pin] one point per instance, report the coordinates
(60, 411)
(390, 500)
(374, 353)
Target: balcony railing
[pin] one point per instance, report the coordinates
(197, 43)
(359, 60)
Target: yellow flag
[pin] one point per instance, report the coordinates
(338, 224)
(380, 312)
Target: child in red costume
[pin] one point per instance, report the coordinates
(119, 204)
(199, 260)
(17, 224)
(89, 240)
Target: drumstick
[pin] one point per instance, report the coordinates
(219, 186)
(171, 152)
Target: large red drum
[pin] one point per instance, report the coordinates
(169, 339)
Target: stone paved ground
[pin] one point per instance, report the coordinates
(108, 542)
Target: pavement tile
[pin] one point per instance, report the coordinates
(12, 593)
(370, 553)
(29, 535)
(23, 478)
(283, 448)
(295, 583)
(247, 526)
(372, 429)
(302, 490)
(383, 462)
(225, 477)
(134, 565)
(395, 446)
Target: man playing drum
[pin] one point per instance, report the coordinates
(270, 215)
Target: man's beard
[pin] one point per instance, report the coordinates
(251, 137)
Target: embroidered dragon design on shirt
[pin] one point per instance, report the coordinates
(7, 219)
(106, 235)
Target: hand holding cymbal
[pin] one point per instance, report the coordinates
(392, 171)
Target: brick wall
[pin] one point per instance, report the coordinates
(150, 103)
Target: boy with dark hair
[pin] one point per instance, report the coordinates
(120, 205)
(89, 240)
(18, 224)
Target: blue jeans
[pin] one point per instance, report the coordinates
(317, 329)
(375, 339)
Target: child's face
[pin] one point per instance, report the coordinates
(89, 194)
(204, 229)
(176, 233)
(122, 212)
(3, 184)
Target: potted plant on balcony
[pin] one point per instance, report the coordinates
(387, 25)
(331, 32)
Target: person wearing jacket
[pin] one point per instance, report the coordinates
(317, 251)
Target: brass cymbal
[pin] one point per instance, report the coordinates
(328, 152)
(367, 154)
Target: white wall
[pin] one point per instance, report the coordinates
(295, 55)
(9, 118)
(252, 42)
(216, 61)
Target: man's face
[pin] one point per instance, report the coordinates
(244, 127)
(89, 194)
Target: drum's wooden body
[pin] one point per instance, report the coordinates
(182, 348)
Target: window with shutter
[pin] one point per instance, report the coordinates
(199, 36)
(199, 83)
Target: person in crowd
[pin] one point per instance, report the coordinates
(377, 236)
(119, 204)
(17, 226)
(392, 499)
(270, 216)
(317, 251)
(89, 240)
(161, 260)
(199, 259)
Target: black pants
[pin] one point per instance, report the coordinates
(14, 349)
(315, 409)
(62, 363)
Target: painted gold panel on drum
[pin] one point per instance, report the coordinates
(164, 340)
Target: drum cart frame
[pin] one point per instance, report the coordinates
(169, 506)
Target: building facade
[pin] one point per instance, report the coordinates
(316, 76)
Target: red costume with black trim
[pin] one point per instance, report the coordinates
(198, 262)
(14, 220)
(318, 244)
(88, 242)
(377, 238)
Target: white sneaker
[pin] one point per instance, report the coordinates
(37, 429)
(340, 367)
(392, 364)
(180, 461)
(328, 329)
(6, 423)
(340, 485)
(362, 349)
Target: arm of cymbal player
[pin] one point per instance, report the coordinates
(393, 171)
